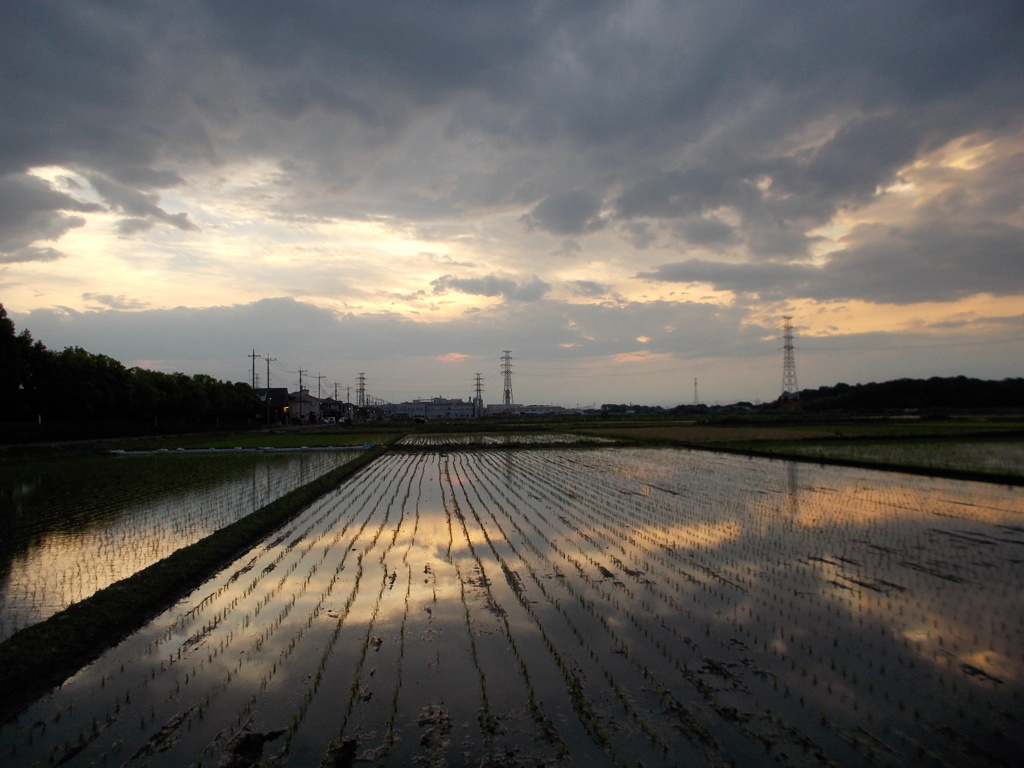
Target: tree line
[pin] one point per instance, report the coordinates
(76, 387)
(936, 393)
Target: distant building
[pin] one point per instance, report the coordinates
(304, 407)
(548, 410)
(432, 408)
(335, 409)
(277, 408)
(504, 409)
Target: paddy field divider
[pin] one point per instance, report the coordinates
(43, 656)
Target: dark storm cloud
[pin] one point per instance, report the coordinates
(777, 198)
(31, 210)
(589, 288)
(140, 206)
(639, 234)
(493, 285)
(932, 263)
(768, 280)
(782, 113)
(423, 49)
(32, 253)
(679, 194)
(568, 248)
(114, 302)
(573, 212)
(107, 80)
(97, 85)
(860, 157)
(709, 231)
(142, 177)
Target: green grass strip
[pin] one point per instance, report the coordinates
(42, 656)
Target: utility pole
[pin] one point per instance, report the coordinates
(254, 356)
(301, 371)
(319, 378)
(269, 360)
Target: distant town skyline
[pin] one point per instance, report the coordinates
(627, 195)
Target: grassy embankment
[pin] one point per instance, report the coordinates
(968, 449)
(288, 438)
(44, 655)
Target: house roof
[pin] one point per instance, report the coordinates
(278, 396)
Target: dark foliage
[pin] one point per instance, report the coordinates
(90, 392)
(957, 393)
(622, 408)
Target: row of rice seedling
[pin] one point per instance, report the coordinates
(571, 607)
(531, 689)
(694, 654)
(297, 662)
(232, 643)
(611, 713)
(51, 568)
(747, 608)
(516, 439)
(634, 685)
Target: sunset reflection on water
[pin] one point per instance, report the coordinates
(588, 603)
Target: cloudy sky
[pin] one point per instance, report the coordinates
(626, 195)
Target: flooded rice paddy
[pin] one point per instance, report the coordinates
(1006, 458)
(449, 440)
(567, 607)
(72, 527)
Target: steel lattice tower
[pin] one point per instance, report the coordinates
(790, 391)
(506, 370)
(361, 391)
(478, 399)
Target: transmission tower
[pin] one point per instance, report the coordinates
(695, 400)
(790, 397)
(361, 391)
(506, 371)
(478, 399)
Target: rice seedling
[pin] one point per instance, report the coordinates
(600, 605)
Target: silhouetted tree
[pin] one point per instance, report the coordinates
(76, 386)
